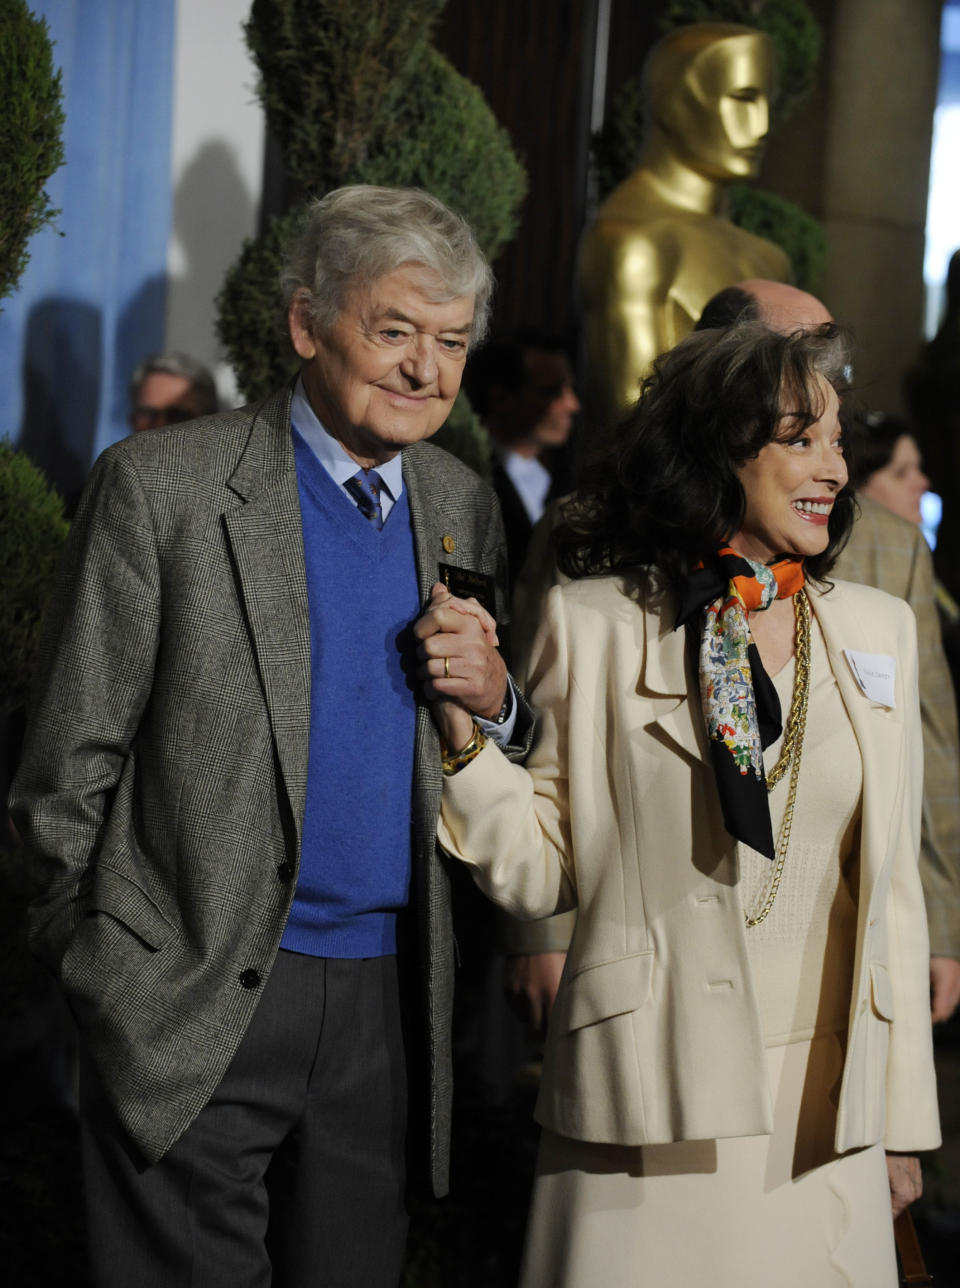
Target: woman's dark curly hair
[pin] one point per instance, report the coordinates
(666, 494)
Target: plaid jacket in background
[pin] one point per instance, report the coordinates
(887, 551)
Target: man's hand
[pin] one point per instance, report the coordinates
(906, 1183)
(462, 670)
(531, 982)
(944, 987)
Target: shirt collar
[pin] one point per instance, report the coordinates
(530, 477)
(331, 454)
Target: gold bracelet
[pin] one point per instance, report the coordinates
(453, 761)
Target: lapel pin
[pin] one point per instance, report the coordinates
(449, 544)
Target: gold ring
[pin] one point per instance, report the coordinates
(446, 668)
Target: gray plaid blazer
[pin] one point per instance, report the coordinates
(163, 780)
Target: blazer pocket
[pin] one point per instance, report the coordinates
(599, 992)
(126, 902)
(881, 991)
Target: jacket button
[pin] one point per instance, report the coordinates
(249, 978)
(285, 872)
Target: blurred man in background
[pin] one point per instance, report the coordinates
(168, 388)
(522, 389)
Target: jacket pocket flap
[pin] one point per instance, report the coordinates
(881, 990)
(125, 901)
(601, 991)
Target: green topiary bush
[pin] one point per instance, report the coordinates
(356, 94)
(788, 226)
(336, 80)
(251, 322)
(30, 123)
(32, 532)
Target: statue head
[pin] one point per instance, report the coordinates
(707, 90)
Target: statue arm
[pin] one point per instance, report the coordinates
(624, 278)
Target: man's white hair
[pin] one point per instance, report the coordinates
(355, 235)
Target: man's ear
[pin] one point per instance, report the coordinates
(298, 320)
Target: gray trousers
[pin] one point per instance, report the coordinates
(293, 1174)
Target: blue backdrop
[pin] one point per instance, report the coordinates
(949, 91)
(92, 301)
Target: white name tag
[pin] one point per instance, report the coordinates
(874, 673)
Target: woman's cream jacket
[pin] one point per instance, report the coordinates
(655, 1034)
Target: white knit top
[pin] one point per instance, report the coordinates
(802, 954)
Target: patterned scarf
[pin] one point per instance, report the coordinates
(740, 704)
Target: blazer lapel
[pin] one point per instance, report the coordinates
(437, 528)
(434, 520)
(266, 538)
(878, 729)
(667, 673)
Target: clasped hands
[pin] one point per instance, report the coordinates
(463, 673)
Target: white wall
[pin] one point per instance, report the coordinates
(217, 165)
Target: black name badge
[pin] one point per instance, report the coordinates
(466, 584)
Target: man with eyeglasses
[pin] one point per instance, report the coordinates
(168, 388)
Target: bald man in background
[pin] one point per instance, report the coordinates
(883, 551)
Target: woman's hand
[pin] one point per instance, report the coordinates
(462, 670)
(906, 1183)
(531, 981)
(944, 988)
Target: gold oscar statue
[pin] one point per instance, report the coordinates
(660, 247)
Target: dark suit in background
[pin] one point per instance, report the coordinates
(522, 388)
(517, 523)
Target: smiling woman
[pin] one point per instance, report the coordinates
(724, 414)
(726, 786)
(791, 484)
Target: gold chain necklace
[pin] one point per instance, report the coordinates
(791, 747)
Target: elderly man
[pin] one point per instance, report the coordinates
(231, 784)
(168, 388)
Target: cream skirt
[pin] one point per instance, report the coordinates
(780, 1211)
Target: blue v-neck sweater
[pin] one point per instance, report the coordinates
(363, 594)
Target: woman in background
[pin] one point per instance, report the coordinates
(726, 785)
(888, 468)
(887, 465)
